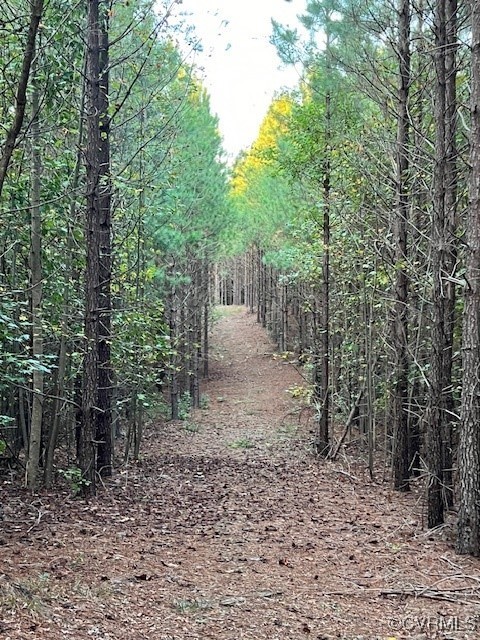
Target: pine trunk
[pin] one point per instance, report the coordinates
(451, 196)
(322, 392)
(88, 427)
(400, 320)
(35, 439)
(469, 443)
(104, 434)
(436, 404)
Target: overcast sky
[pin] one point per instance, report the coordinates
(241, 68)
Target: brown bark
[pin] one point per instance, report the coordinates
(451, 197)
(206, 317)
(88, 431)
(36, 296)
(400, 320)
(174, 342)
(444, 258)
(436, 404)
(468, 540)
(105, 373)
(322, 386)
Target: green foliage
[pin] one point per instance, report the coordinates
(75, 479)
(191, 427)
(17, 364)
(185, 406)
(262, 196)
(242, 443)
(204, 401)
(301, 392)
(170, 211)
(337, 137)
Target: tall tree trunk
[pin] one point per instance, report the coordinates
(195, 333)
(322, 440)
(206, 316)
(436, 401)
(104, 434)
(88, 431)
(451, 197)
(468, 540)
(400, 460)
(36, 293)
(174, 344)
(259, 295)
(444, 258)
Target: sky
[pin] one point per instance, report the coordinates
(240, 68)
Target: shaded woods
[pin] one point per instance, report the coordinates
(349, 230)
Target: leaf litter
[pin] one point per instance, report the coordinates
(234, 530)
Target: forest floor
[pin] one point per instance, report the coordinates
(230, 528)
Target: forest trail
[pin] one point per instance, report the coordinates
(229, 528)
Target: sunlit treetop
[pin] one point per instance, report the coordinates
(261, 153)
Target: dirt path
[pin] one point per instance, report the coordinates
(229, 528)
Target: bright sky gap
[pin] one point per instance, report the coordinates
(239, 67)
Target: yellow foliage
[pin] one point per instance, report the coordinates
(298, 391)
(273, 125)
(258, 156)
(182, 73)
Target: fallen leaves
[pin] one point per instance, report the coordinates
(205, 540)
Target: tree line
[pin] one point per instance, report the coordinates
(350, 227)
(358, 246)
(112, 196)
